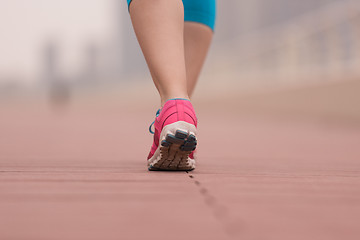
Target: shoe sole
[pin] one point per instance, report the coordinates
(178, 140)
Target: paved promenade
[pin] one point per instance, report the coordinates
(79, 173)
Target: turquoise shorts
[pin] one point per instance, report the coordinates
(201, 11)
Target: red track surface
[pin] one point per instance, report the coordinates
(82, 174)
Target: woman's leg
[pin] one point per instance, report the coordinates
(197, 39)
(199, 19)
(175, 54)
(159, 27)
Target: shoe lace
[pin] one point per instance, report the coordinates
(157, 114)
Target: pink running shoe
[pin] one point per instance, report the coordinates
(175, 130)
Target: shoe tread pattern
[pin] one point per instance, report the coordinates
(174, 152)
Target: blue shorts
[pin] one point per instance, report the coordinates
(201, 11)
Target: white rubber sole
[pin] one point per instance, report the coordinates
(177, 141)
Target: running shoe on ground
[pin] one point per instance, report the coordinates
(174, 137)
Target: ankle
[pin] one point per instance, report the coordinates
(164, 99)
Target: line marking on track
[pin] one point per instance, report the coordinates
(220, 211)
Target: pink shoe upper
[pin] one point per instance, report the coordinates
(174, 110)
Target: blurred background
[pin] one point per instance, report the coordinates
(284, 59)
(58, 50)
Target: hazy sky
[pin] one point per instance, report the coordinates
(26, 25)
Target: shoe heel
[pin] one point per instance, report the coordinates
(179, 140)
